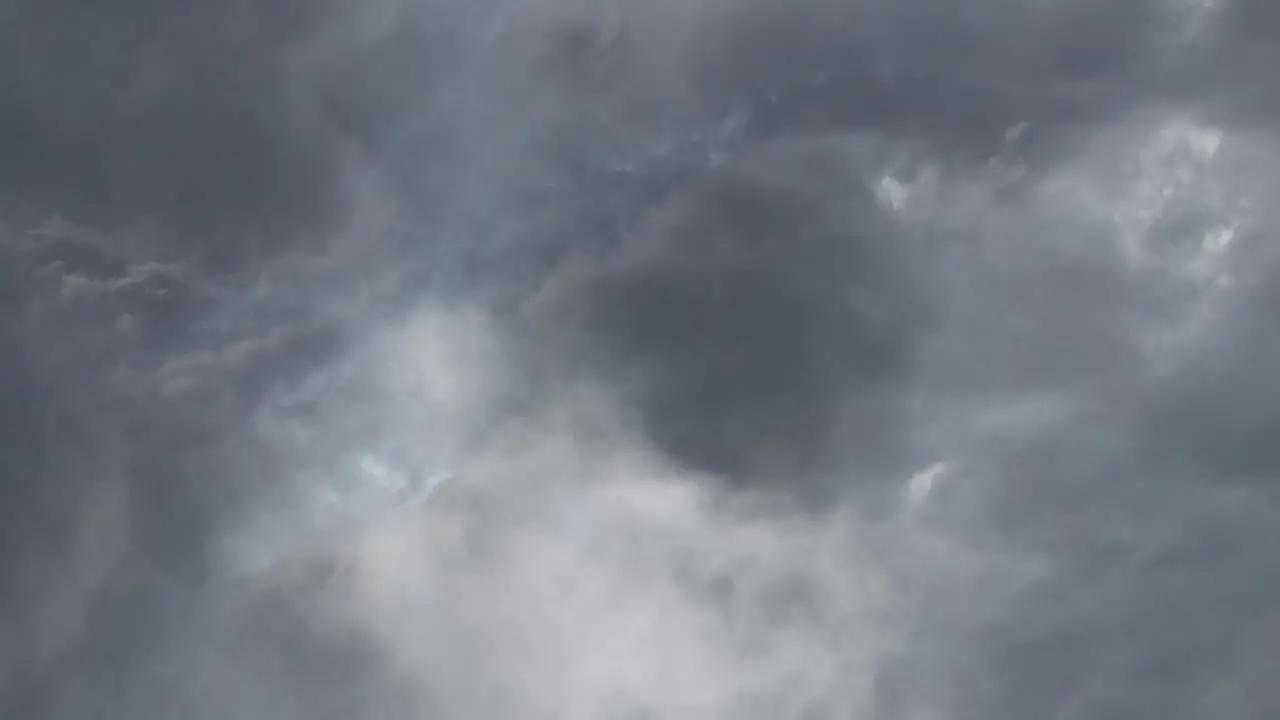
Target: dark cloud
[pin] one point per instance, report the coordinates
(236, 128)
(754, 311)
(1029, 243)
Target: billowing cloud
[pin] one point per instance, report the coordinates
(743, 358)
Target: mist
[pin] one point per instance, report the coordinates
(676, 359)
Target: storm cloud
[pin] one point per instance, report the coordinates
(733, 358)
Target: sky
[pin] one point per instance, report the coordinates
(604, 359)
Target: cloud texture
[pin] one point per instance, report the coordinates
(675, 359)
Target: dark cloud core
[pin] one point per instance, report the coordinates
(749, 311)
(721, 359)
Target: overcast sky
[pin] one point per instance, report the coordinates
(673, 359)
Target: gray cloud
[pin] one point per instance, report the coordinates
(755, 314)
(1058, 211)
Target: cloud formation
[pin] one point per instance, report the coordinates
(423, 358)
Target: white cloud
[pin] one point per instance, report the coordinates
(922, 484)
(568, 574)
